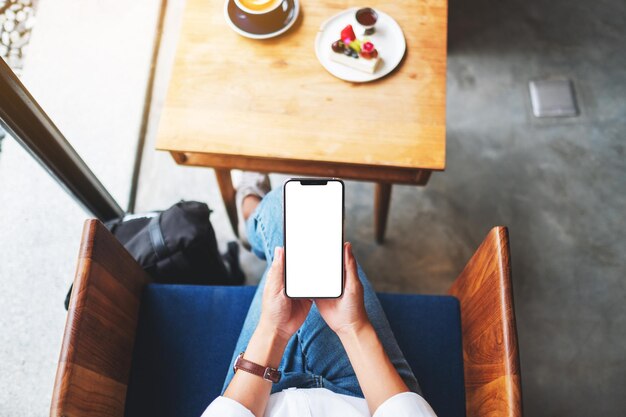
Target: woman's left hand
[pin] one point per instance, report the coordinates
(280, 318)
(278, 312)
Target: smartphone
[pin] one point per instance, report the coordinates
(313, 213)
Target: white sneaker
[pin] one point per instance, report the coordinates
(251, 183)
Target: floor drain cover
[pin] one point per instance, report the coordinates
(553, 98)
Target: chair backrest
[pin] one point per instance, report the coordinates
(490, 350)
(94, 365)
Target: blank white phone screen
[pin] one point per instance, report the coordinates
(313, 239)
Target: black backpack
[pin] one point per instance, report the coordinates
(177, 246)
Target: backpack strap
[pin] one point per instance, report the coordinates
(156, 238)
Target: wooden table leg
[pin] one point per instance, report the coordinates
(225, 183)
(381, 209)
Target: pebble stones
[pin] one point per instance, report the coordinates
(16, 22)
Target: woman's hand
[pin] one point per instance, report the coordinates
(378, 378)
(346, 313)
(280, 313)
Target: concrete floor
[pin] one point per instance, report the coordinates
(558, 184)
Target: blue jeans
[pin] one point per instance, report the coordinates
(314, 356)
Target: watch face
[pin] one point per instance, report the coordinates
(236, 364)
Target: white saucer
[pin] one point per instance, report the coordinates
(388, 40)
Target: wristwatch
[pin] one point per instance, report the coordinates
(267, 373)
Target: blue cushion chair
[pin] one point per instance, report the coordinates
(133, 348)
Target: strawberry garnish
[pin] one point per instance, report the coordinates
(347, 34)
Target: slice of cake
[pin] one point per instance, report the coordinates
(358, 54)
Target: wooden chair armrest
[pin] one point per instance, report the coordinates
(490, 351)
(94, 366)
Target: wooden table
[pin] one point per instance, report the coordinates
(269, 106)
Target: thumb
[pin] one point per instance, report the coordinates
(350, 266)
(277, 270)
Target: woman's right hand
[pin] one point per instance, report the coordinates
(347, 313)
(378, 378)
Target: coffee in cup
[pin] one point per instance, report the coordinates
(257, 6)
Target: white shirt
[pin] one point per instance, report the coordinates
(320, 402)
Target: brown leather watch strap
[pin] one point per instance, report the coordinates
(267, 373)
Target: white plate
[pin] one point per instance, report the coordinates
(388, 40)
(243, 32)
